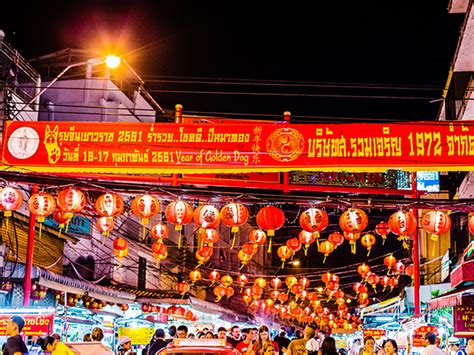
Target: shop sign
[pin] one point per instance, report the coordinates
(236, 148)
(35, 324)
(420, 332)
(374, 333)
(77, 225)
(138, 336)
(464, 318)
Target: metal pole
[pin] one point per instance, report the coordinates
(416, 253)
(29, 256)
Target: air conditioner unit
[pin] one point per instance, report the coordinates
(466, 189)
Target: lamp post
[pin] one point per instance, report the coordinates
(111, 61)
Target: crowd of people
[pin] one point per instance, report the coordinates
(248, 341)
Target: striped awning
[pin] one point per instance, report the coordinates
(451, 299)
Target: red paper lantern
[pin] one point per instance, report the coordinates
(214, 276)
(363, 289)
(290, 281)
(314, 220)
(71, 201)
(10, 200)
(304, 282)
(293, 244)
(120, 247)
(206, 216)
(352, 222)
(356, 286)
(326, 248)
(159, 231)
(384, 281)
(402, 223)
(61, 217)
(383, 230)
(226, 280)
(183, 287)
(470, 223)
(270, 218)
(436, 223)
(256, 291)
(234, 215)
(242, 280)
(368, 240)
(399, 267)
(229, 292)
(409, 270)
(336, 239)
(109, 205)
(275, 283)
(284, 253)
(219, 292)
(41, 204)
(160, 251)
(204, 254)
(145, 207)
(282, 297)
(257, 237)
(363, 269)
(244, 258)
(210, 236)
(392, 282)
(332, 285)
(195, 276)
(373, 279)
(390, 261)
(249, 249)
(306, 238)
(260, 281)
(179, 213)
(105, 225)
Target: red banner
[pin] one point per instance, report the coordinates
(236, 148)
(35, 324)
(374, 333)
(420, 332)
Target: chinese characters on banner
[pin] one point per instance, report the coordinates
(464, 318)
(420, 332)
(35, 324)
(236, 148)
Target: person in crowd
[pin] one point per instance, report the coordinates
(192, 336)
(470, 346)
(234, 336)
(56, 336)
(157, 342)
(454, 347)
(282, 340)
(314, 344)
(87, 337)
(35, 348)
(182, 332)
(254, 334)
(369, 346)
(328, 347)
(125, 346)
(246, 344)
(97, 334)
(355, 348)
(222, 333)
(298, 334)
(298, 346)
(429, 343)
(264, 345)
(53, 346)
(172, 333)
(15, 344)
(200, 335)
(390, 347)
(209, 335)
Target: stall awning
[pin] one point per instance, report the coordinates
(68, 284)
(451, 298)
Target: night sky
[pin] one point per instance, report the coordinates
(407, 44)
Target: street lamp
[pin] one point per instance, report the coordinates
(111, 61)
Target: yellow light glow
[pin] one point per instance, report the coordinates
(319, 289)
(112, 61)
(296, 263)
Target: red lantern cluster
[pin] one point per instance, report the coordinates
(38, 292)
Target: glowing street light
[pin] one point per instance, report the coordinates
(111, 61)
